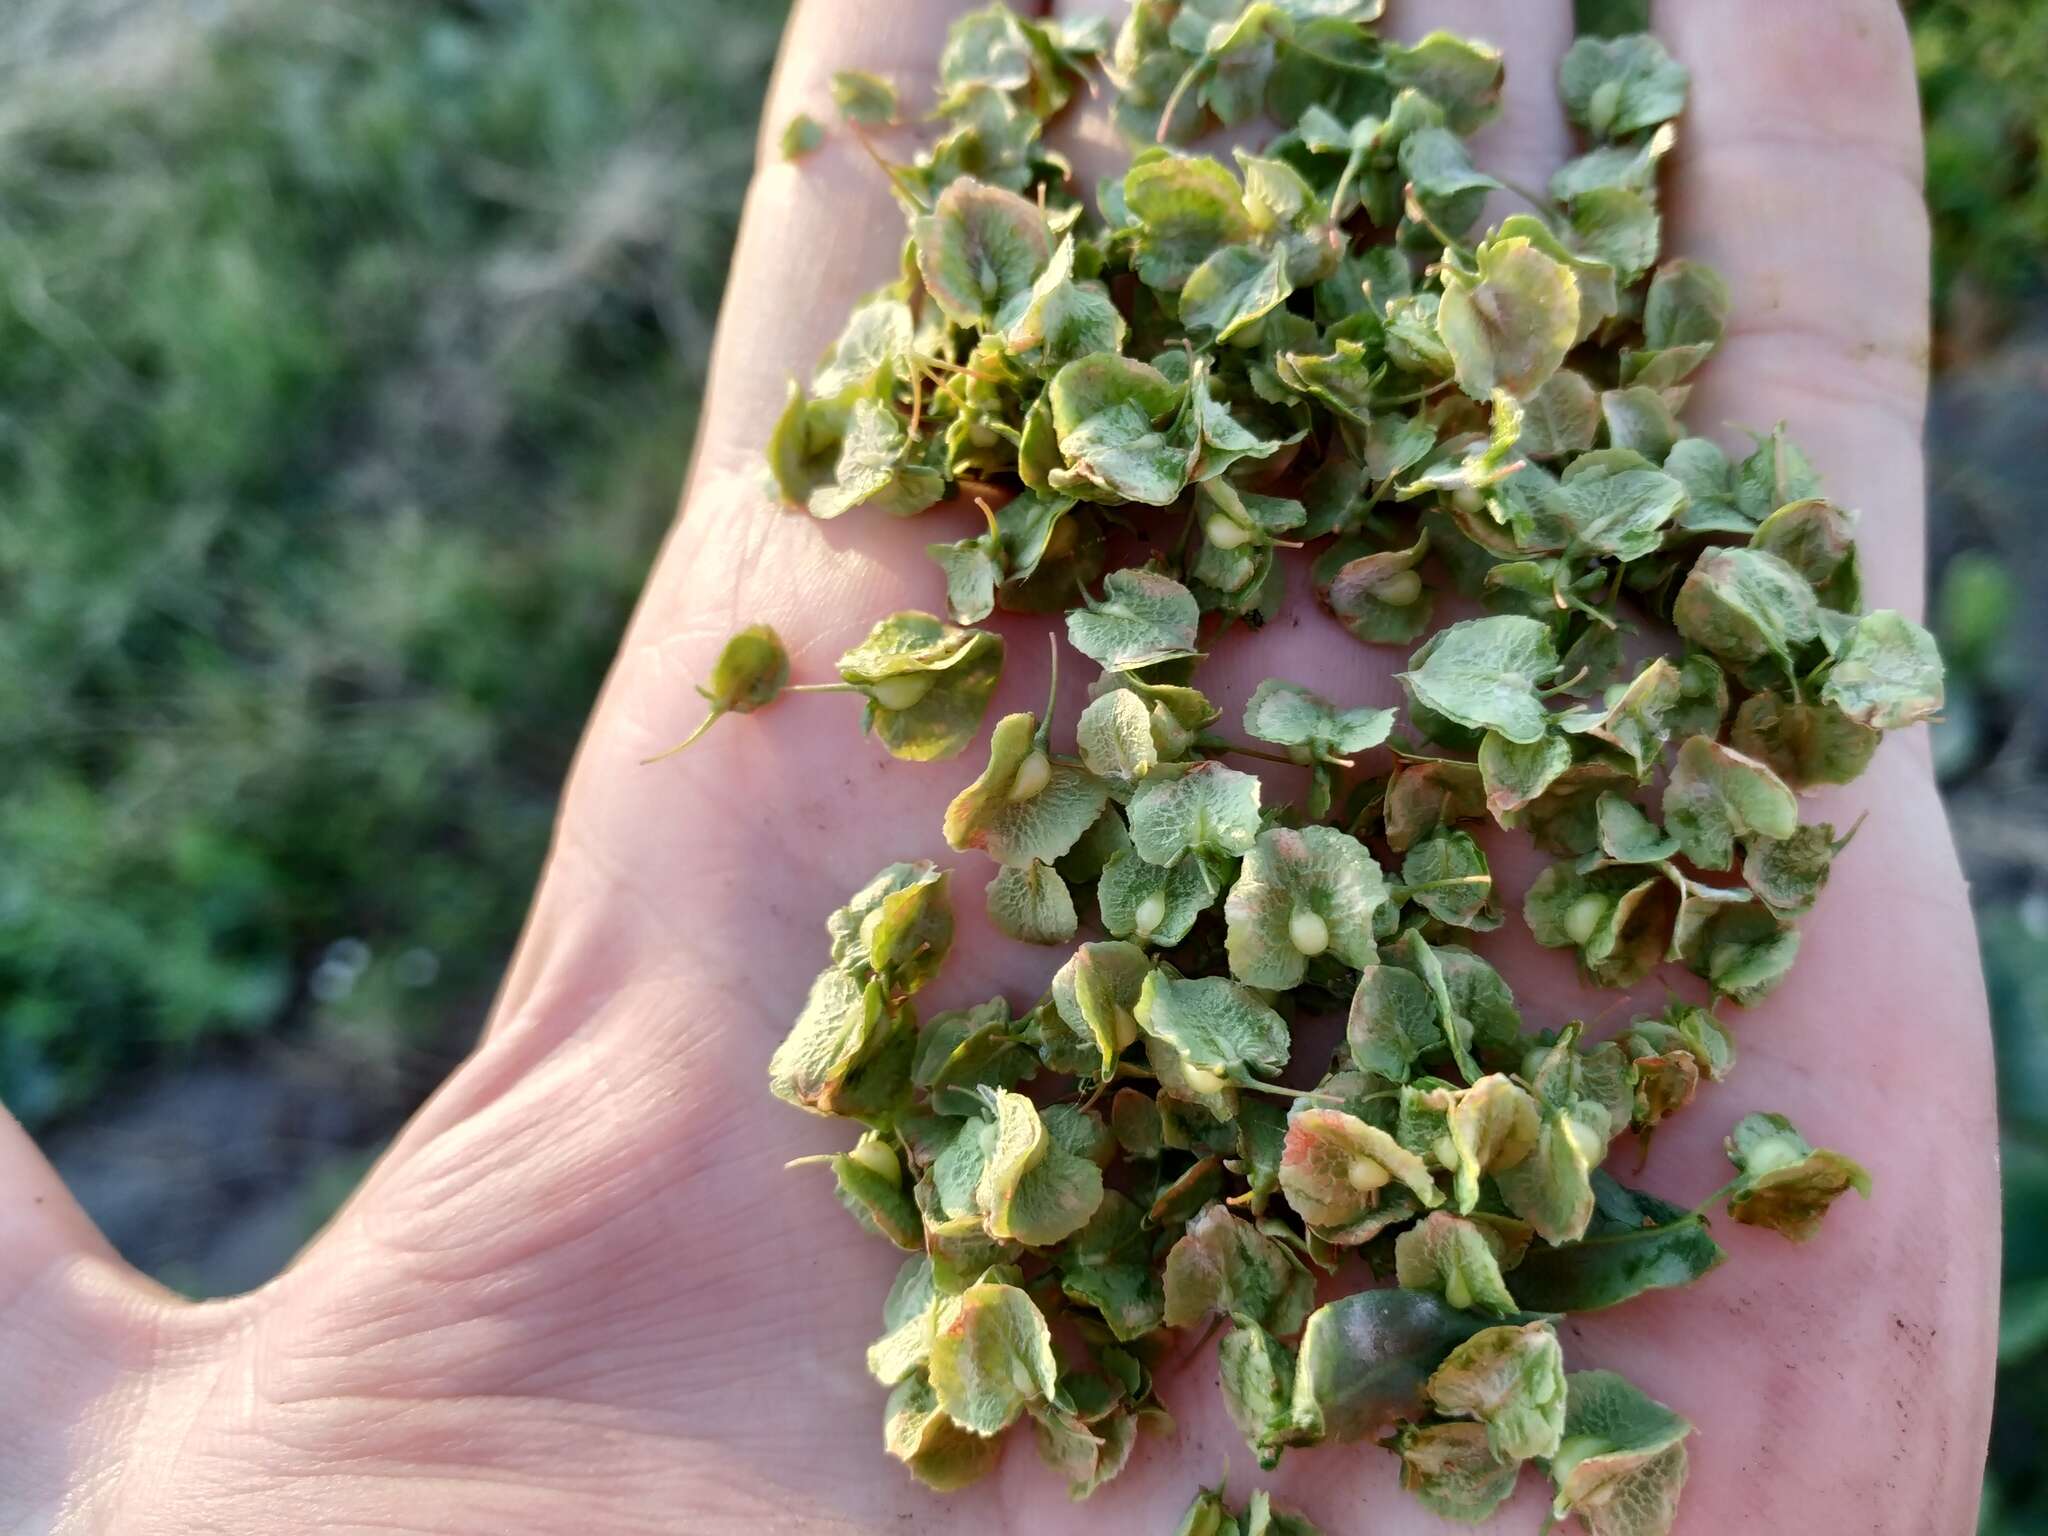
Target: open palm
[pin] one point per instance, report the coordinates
(582, 1294)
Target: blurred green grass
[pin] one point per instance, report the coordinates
(349, 356)
(1983, 68)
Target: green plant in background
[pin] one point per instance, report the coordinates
(1984, 84)
(1984, 88)
(2015, 942)
(1976, 606)
(349, 373)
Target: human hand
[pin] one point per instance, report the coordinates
(582, 1293)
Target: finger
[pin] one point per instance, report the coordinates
(1798, 177)
(818, 232)
(1524, 143)
(633, 849)
(1527, 139)
(79, 1330)
(42, 1228)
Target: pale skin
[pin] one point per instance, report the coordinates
(581, 1293)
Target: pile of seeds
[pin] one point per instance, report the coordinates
(1153, 395)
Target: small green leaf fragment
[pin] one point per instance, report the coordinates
(1061, 320)
(1299, 895)
(1379, 597)
(1364, 1359)
(1492, 1125)
(1788, 872)
(1620, 919)
(1426, 793)
(1153, 904)
(1393, 1022)
(1627, 836)
(1096, 992)
(1453, 1471)
(1184, 208)
(1639, 720)
(1741, 605)
(1561, 417)
(1805, 744)
(1224, 1264)
(1516, 774)
(1622, 1464)
(918, 1432)
(1033, 1189)
(1455, 1258)
(800, 136)
(1142, 619)
(1220, 1031)
(1787, 1184)
(1289, 715)
(1508, 324)
(1114, 734)
(1447, 875)
(1032, 904)
(1233, 289)
(1335, 1168)
(897, 928)
(1208, 1515)
(1024, 808)
(928, 683)
(1134, 1117)
(1888, 675)
(1460, 74)
(1716, 795)
(878, 466)
(1487, 674)
(1613, 87)
(1622, 515)
(1552, 1187)
(1208, 810)
(869, 1183)
(907, 1316)
(844, 1026)
(991, 1357)
(1511, 1380)
(863, 97)
(1108, 1265)
(1257, 1378)
(980, 250)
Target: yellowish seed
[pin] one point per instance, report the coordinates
(1150, 914)
(1033, 774)
(901, 692)
(1456, 1291)
(1224, 533)
(878, 1158)
(1585, 1139)
(1582, 919)
(1366, 1175)
(1399, 589)
(1307, 932)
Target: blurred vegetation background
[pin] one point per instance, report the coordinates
(349, 356)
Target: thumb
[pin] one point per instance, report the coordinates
(80, 1331)
(43, 1230)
